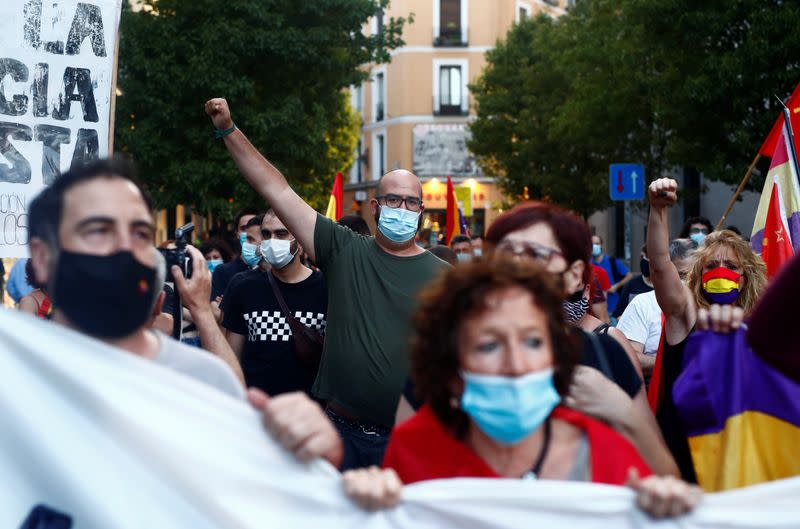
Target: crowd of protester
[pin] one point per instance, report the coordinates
(490, 357)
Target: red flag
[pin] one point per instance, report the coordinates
(777, 246)
(334, 211)
(453, 226)
(794, 110)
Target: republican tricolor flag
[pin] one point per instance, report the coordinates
(784, 216)
(334, 211)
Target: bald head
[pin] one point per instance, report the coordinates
(400, 182)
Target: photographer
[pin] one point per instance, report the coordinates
(91, 243)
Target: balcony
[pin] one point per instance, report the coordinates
(441, 109)
(450, 38)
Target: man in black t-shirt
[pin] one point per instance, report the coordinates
(257, 329)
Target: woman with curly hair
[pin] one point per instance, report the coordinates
(726, 272)
(493, 358)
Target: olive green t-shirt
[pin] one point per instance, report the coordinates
(371, 296)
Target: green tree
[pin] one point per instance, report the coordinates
(662, 82)
(283, 66)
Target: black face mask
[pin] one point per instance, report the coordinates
(644, 265)
(107, 296)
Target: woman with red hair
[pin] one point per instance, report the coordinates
(562, 242)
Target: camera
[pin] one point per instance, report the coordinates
(178, 256)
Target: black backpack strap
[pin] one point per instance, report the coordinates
(601, 329)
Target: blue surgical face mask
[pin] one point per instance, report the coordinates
(596, 250)
(398, 224)
(698, 237)
(249, 254)
(213, 264)
(478, 252)
(463, 257)
(242, 238)
(508, 409)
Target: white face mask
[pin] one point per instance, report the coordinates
(277, 253)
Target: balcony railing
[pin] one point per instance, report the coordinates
(451, 37)
(442, 109)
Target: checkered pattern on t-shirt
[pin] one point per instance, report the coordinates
(271, 326)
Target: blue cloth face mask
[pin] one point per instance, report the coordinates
(398, 224)
(249, 254)
(508, 409)
(698, 237)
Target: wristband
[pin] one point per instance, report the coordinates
(218, 134)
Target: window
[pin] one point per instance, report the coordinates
(450, 22)
(356, 173)
(450, 90)
(524, 11)
(378, 154)
(381, 154)
(450, 87)
(357, 98)
(450, 19)
(379, 102)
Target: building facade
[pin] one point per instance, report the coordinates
(417, 108)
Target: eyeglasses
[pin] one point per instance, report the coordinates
(395, 201)
(531, 250)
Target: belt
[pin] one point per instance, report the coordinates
(350, 420)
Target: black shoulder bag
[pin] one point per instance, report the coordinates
(307, 341)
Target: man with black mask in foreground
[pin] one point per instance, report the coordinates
(91, 243)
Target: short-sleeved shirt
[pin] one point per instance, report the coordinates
(641, 322)
(198, 364)
(630, 290)
(268, 356)
(622, 270)
(223, 274)
(372, 295)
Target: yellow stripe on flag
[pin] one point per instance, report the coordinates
(765, 446)
(331, 211)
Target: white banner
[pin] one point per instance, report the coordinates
(56, 76)
(115, 441)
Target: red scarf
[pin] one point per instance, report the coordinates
(422, 449)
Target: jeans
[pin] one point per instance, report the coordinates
(364, 443)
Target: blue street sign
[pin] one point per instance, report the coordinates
(626, 181)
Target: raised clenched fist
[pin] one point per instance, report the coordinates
(219, 112)
(663, 192)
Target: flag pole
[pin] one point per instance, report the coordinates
(787, 119)
(739, 190)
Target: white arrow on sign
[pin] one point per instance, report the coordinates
(633, 181)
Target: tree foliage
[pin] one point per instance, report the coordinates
(282, 65)
(661, 82)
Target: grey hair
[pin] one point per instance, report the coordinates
(680, 249)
